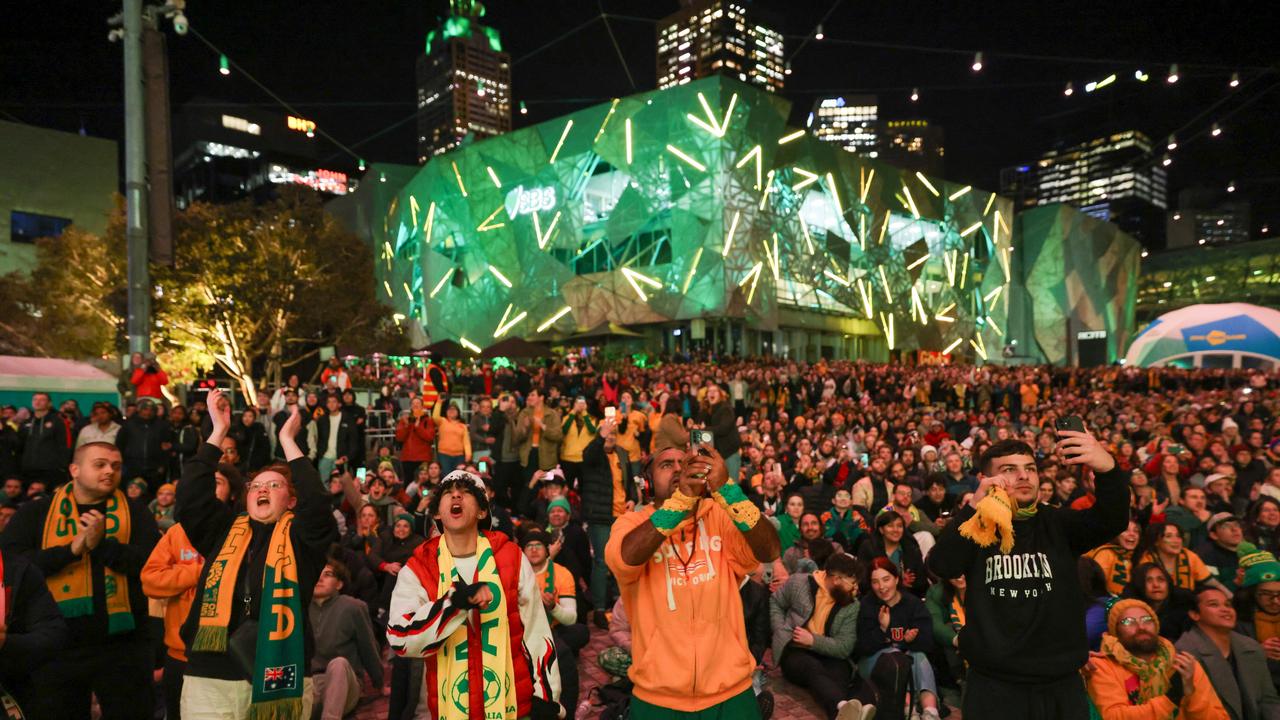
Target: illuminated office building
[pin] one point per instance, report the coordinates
(464, 82)
(1111, 178)
(850, 122)
(913, 144)
(709, 37)
(224, 153)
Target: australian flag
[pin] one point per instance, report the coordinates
(284, 677)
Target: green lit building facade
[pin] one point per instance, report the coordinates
(695, 210)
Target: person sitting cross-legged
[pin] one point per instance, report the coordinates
(815, 623)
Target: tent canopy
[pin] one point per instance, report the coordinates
(62, 379)
(1210, 335)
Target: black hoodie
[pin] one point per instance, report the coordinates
(1024, 611)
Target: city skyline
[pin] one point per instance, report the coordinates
(1004, 115)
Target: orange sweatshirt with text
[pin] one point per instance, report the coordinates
(689, 644)
(171, 574)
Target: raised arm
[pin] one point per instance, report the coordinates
(203, 516)
(315, 518)
(1107, 517)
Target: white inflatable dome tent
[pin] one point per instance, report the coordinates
(1226, 335)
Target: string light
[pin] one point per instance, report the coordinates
(361, 164)
(480, 88)
(1231, 186)
(915, 94)
(977, 61)
(1069, 90)
(1140, 76)
(1167, 161)
(819, 34)
(788, 69)
(1173, 74)
(1173, 143)
(1235, 80)
(224, 65)
(1145, 253)
(1216, 130)
(523, 109)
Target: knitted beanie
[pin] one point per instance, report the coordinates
(1117, 610)
(561, 503)
(1259, 565)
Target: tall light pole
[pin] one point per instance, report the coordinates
(129, 27)
(135, 182)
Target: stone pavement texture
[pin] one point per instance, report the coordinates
(790, 702)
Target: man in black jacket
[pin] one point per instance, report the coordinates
(90, 542)
(606, 479)
(337, 437)
(1024, 638)
(46, 441)
(145, 441)
(32, 630)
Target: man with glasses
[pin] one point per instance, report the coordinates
(1139, 669)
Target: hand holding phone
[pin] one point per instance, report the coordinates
(1070, 422)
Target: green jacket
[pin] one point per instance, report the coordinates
(944, 632)
(549, 445)
(792, 606)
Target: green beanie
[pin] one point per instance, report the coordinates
(1259, 565)
(562, 503)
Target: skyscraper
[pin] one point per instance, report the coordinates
(707, 37)
(464, 82)
(1110, 177)
(851, 122)
(913, 144)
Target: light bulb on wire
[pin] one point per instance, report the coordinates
(1140, 76)
(361, 164)
(1231, 186)
(977, 61)
(915, 94)
(818, 35)
(788, 69)
(1235, 80)
(1173, 143)
(523, 109)
(1069, 90)
(1167, 161)
(1173, 74)
(1216, 130)
(224, 65)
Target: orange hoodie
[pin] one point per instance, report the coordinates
(1110, 683)
(689, 644)
(171, 573)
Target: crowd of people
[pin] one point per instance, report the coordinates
(895, 540)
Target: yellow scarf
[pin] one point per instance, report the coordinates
(993, 518)
(72, 586)
(278, 670)
(487, 632)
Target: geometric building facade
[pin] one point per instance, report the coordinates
(1081, 284)
(693, 203)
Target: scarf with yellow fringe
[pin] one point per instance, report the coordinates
(72, 586)
(993, 520)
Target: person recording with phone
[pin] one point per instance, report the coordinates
(1024, 637)
(679, 563)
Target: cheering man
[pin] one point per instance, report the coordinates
(469, 603)
(1024, 638)
(679, 564)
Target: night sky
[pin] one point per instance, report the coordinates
(350, 67)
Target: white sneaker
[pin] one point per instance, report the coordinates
(851, 710)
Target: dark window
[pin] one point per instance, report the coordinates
(26, 227)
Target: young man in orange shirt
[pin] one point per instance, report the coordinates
(679, 564)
